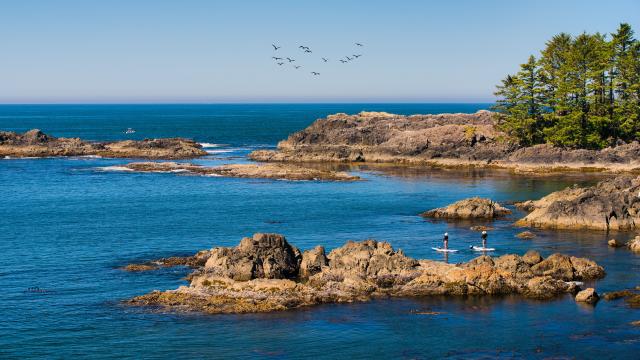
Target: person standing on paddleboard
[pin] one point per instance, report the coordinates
(484, 239)
(445, 241)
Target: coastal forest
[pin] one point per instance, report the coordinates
(580, 92)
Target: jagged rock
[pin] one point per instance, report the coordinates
(267, 256)
(532, 257)
(35, 143)
(473, 208)
(261, 171)
(313, 261)
(589, 296)
(612, 204)
(237, 280)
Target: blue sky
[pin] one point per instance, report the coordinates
(219, 51)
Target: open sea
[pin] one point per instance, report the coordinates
(68, 224)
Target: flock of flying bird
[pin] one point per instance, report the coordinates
(306, 50)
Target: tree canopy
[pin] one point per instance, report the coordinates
(581, 92)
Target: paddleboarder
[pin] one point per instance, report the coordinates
(484, 239)
(445, 241)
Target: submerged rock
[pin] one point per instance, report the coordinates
(589, 296)
(256, 171)
(615, 243)
(265, 273)
(526, 235)
(472, 208)
(35, 143)
(612, 204)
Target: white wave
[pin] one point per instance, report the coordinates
(114, 168)
(210, 145)
(213, 175)
(213, 152)
(179, 170)
(25, 157)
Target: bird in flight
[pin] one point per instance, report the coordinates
(280, 63)
(303, 47)
(315, 73)
(358, 44)
(348, 58)
(275, 47)
(296, 66)
(357, 56)
(290, 60)
(276, 58)
(343, 61)
(325, 59)
(307, 51)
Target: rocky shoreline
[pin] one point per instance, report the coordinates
(612, 204)
(265, 273)
(443, 140)
(276, 171)
(35, 143)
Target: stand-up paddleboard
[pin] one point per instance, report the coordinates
(479, 248)
(444, 250)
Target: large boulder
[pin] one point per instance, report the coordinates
(589, 296)
(473, 208)
(267, 256)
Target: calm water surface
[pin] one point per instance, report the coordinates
(67, 224)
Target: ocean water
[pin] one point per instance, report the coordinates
(68, 224)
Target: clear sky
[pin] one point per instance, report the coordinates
(129, 51)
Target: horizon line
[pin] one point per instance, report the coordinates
(249, 103)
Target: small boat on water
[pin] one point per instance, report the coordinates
(130, 131)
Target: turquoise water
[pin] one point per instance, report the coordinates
(67, 224)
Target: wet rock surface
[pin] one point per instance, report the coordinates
(613, 204)
(473, 208)
(448, 140)
(265, 273)
(35, 143)
(256, 171)
(588, 296)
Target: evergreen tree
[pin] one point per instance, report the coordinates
(583, 92)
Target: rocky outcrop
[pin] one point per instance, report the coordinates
(449, 140)
(256, 171)
(631, 297)
(266, 273)
(35, 143)
(197, 260)
(612, 204)
(473, 208)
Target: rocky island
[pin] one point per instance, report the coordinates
(473, 208)
(265, 273)
(448, 140)
(255, 171)
(35, 143)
